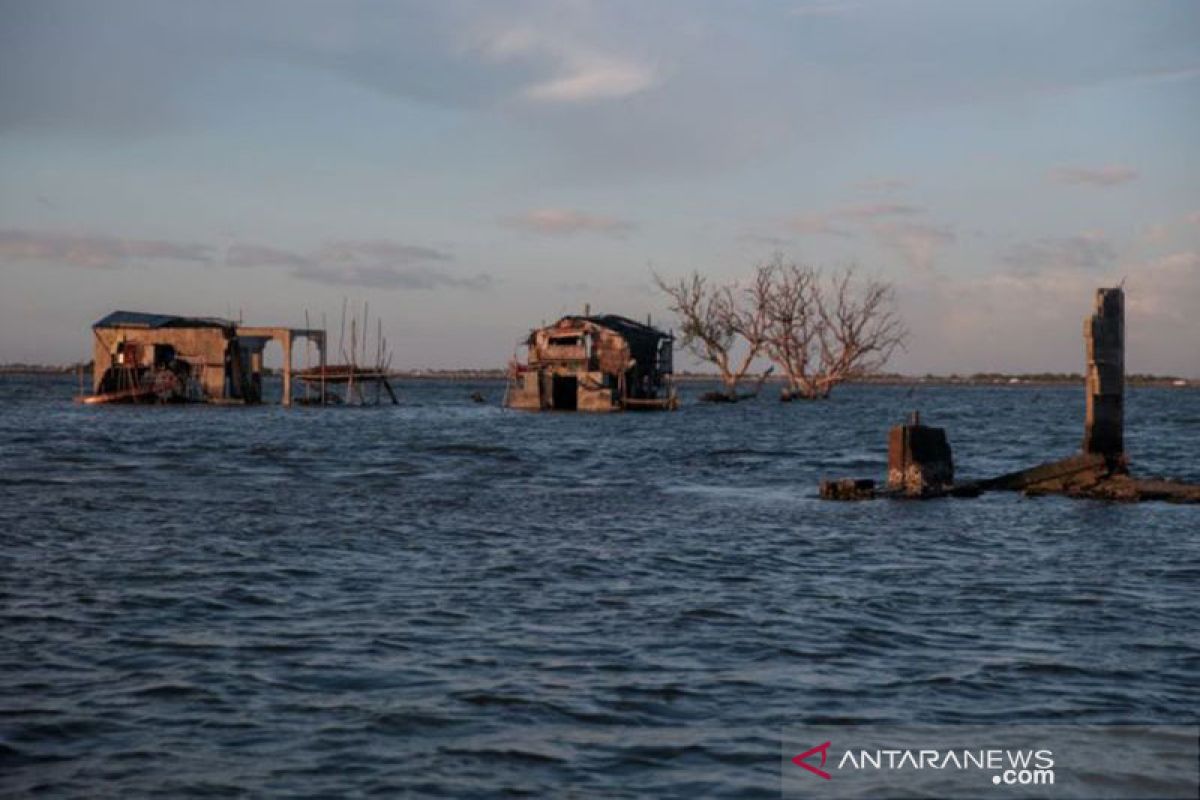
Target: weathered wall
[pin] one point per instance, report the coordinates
(1104, 335)
(201, 347)
(593, 395)
(919, 460)
(523, 392)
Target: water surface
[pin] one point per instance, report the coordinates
(452, 599)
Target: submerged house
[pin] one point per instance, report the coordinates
(594, 363)
(139, 357)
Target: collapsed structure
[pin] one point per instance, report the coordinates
(594, 363)
(920, 464)
(139, 357)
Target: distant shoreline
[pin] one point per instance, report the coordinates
(886, 379)
(981, 379)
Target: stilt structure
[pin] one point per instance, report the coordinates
(141, 357)
(352, 377)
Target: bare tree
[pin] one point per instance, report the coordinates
(793, 319)
(824, 332)
(714, 318)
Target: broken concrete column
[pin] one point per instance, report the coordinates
(1104, 333)
(919, 459)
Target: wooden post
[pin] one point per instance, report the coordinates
(287, 368)
(322, 357)
(1104, 334)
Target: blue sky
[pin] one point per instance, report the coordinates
(474, 168)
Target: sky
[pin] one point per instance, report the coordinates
(473, 169)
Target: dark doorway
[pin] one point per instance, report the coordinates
(564, 391)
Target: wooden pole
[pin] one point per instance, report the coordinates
(287, 368)
(378, 356)
(307, 347)
(342, 333)
(352, 368)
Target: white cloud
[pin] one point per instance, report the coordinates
(578, 72)
(563, 222)
(824, 8)
(875, 211)
(814, 224)
(1030, 322)
(833, 222)
(372, 263)
(594, 80)
(884, 184)
(919, 245)
(96, 251)
(1111, 175)
(1089, 250)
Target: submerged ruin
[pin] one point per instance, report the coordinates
(920, 464)
(161, 358)
(594, 363)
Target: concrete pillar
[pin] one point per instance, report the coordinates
(287, 368)
(1104, 335)
(919, 459)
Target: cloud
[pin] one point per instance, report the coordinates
(1156, 233)
(372, 263)
(1086, 251)
(1167, 289)
(765, 239)
(254, 255)
(919, 245)
(379, 276)
(876, 210)
(1111, 175)
(104, 252)
(565, 222)
(815, 224)
(832, 223)
(884, 184)
(1030, 322)
(578, 72)
(376, 250)
(594, 80)
(824, 8)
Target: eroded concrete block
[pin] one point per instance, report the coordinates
(919, 460)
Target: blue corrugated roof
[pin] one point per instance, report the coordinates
(140, 319)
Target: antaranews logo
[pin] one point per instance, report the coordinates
(802, 759)
(1016, 762)
(1010, 767)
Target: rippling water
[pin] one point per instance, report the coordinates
(452, 599)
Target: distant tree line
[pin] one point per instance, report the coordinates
(819, 329)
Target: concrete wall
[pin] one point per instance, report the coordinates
(523, 392)
(203, 348)
(1104, 334)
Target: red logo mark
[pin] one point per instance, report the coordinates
(801, 760)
